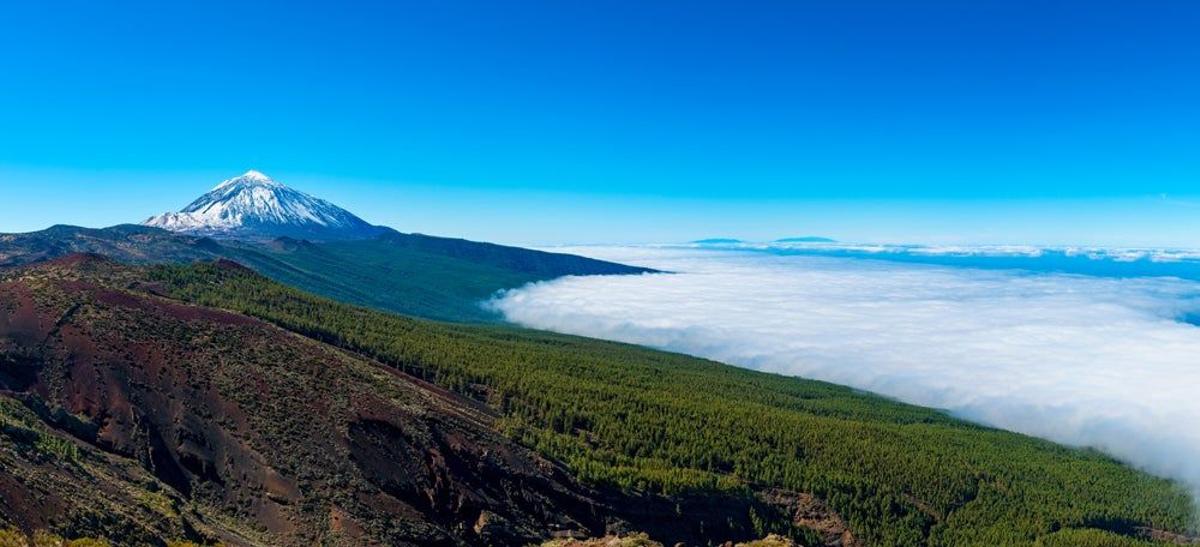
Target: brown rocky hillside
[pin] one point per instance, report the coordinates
(131, 417)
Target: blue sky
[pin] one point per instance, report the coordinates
(993, 122)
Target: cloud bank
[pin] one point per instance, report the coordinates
(1086, 361)
(1094, 261)
(883, 250)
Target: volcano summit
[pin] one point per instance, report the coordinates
(255, 206)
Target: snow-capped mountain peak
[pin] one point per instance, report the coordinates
(254, 175)
(251, 176)
(255, 206)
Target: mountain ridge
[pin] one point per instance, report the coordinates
(414, 274)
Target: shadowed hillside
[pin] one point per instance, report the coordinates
(414, 274)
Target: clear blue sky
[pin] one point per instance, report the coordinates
(543, 122)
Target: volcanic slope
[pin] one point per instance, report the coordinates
(134, 418)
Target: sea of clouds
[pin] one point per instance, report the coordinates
(1087, 361)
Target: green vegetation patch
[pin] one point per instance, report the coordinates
(22, 428)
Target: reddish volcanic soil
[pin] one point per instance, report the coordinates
(199, 423)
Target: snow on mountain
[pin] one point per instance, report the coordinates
(254, 205)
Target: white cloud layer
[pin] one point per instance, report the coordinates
(1086, 361)
(1119, 254)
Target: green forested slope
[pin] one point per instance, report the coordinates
(644, 419)
(415, 274)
